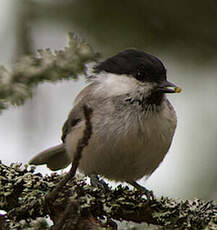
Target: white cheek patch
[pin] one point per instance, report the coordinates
(115, 85)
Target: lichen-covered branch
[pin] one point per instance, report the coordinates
(20, 187)
(66, 221)
(16, 85)
(2, 222)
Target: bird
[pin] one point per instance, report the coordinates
(133, 122)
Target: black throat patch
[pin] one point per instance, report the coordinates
(152, 102)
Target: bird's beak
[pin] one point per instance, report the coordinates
(168, 87)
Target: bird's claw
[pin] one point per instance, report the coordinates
(149, 194)
(98, 183)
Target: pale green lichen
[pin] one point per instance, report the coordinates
(185, 214)
(16, 85)
(22, 188)
(38, 224)
(212, 224)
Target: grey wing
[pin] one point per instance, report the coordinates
(56, 157)
(69, 123)
(76, 115)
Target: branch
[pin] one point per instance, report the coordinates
(66, 221)
(17, 85)
(19, 187)
(2, 222)
(50, 197)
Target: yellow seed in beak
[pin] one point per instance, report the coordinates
(178, 90)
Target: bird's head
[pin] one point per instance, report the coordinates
(142, 68)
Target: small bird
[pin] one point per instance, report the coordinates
(133, 122)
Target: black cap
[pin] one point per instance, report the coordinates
(141, 65)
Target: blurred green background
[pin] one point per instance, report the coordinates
(183, 34)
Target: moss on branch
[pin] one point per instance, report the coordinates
(22, 195)
(16, 85)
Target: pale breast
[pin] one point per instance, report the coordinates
(126, 148)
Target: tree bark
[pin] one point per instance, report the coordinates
(22, 195)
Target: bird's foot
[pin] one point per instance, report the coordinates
(99, 183)
(149, 194)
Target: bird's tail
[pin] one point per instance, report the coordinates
(55, 157)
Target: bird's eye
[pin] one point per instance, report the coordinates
(139, 76)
